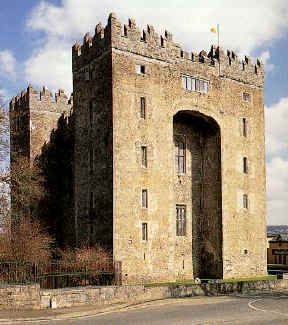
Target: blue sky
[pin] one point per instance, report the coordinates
(36, 39)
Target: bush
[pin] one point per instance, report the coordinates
(28, 242)
(95, 258)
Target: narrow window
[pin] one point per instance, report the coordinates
(180, 220)
(91, 115)
(197, 84)
(193, 86)
(125, 30)
(180, 156)
(91, 160)
(144, 199)
(144, 156)
(144, 231)
(162, 41)
(91, 201)
(143, 107)
(245, 165)
(184, 82)
(140, 69)
(189, 84)
(245, 201)
(244, 127)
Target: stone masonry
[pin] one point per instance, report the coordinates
(41, 131)
(168, 208)
(33, 116)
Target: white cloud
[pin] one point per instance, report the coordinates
(265, 57)
(7, 63)
(51, 66)
(242, 28)
(276, 129)
(277, 162)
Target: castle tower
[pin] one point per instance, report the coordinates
(40, 128)
(33, 116)
(169, 155)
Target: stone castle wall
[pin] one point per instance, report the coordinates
(165, 256)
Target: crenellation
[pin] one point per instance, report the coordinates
(149, 43)
(42, 100)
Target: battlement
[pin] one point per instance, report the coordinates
(41, 100)
(128, 37)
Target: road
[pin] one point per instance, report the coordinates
(264, 308)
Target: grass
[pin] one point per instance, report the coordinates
(232, 280)
(255, 278)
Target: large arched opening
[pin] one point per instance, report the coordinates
(202, 138)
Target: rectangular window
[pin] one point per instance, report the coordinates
(246, 97)
(245, 201)
(181, 220)
(180, 156)
(195, 84)
(244, 127)
(144, 156)
(144, 199)
(245, 165)
(144, 231)
(140, 69)
(143, 107)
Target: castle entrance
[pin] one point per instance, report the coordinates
(199, 184)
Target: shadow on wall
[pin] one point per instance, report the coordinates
(56, 208)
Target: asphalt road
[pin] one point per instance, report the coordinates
(269, 308)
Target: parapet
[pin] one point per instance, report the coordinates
(128, 37)
(42, 100)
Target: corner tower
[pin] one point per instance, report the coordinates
(169, 155)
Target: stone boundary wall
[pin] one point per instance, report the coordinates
(20, 296)
(32, 297)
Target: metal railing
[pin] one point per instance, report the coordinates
(58, 274)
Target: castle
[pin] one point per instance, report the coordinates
(169, 164)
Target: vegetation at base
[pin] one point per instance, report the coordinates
(255, 278)
(232, 280)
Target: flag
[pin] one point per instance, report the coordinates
(213, 30)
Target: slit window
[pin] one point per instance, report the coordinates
(144, 156)
(91, 160)
(91, 201)
(244, 127)
(143, 107)
(181, 220)
(245, 201)
(144, 199)
(90, 114)
(144, 231)
(245, 165)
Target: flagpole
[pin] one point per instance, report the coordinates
(218, 41)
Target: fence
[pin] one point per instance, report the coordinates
(58, 274)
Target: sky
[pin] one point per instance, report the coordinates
(36, 39)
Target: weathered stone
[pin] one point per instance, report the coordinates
(223, 239)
